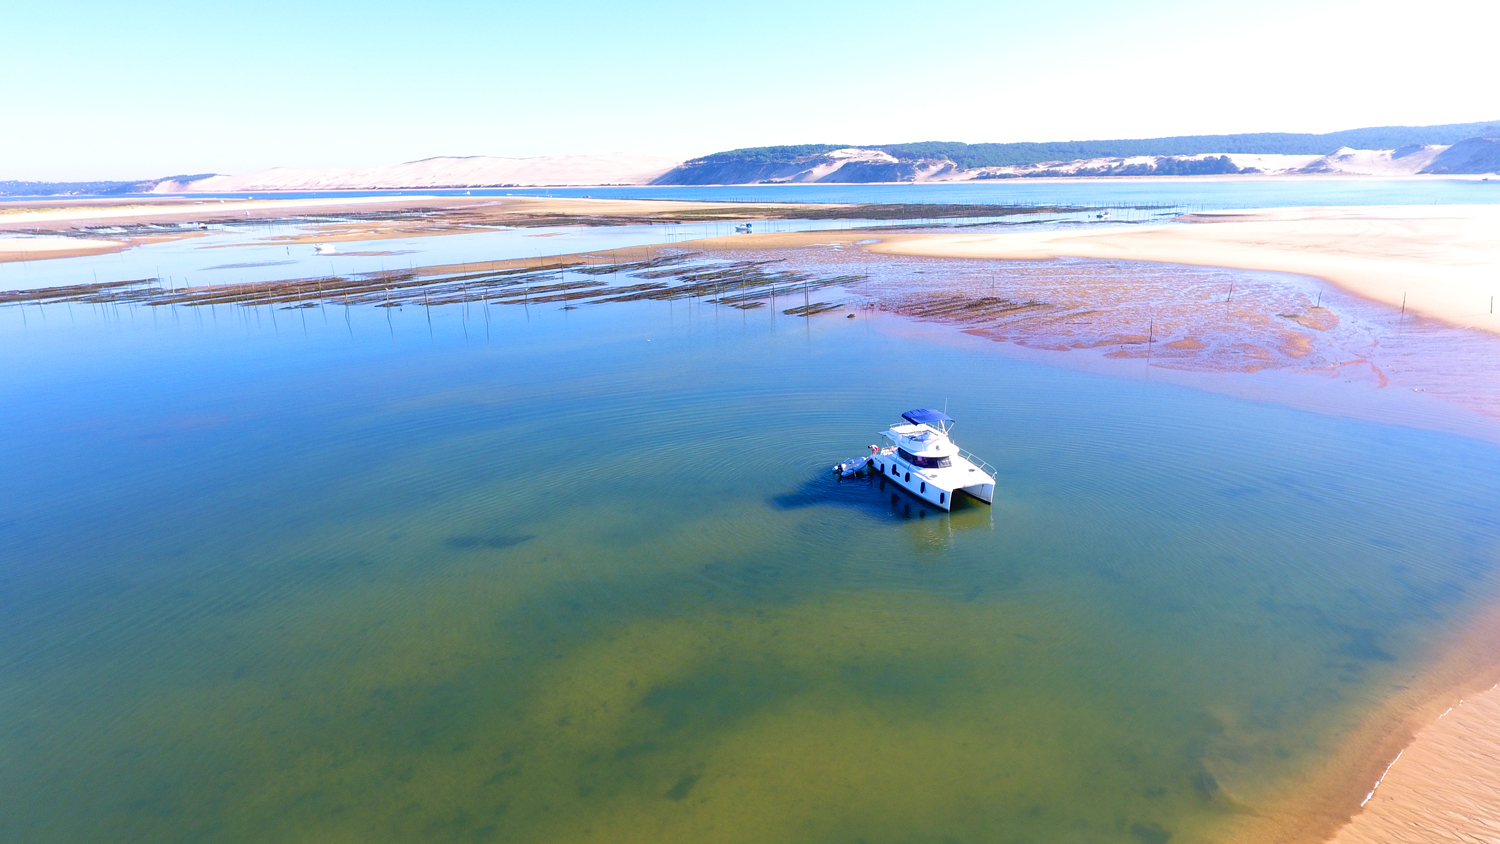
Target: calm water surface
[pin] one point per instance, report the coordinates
(579, 575)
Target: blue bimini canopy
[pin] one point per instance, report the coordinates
(923, 415)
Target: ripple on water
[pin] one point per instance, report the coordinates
(577, 585)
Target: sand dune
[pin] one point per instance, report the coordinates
(1376, 162)
(96, 212)
(474, 171)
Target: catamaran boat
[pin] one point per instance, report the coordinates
(923, 460)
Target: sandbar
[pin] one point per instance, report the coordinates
(64, 214)
(38, 248)
(1437, 261)
(133, 221)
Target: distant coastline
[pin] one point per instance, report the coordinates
(1445, 151)
(164, 194)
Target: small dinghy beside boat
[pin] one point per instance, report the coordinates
(923, 460)
(850, 468)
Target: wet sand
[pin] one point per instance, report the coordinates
(94, 225)
(1437, 261)
(1442, 787)
(41, 248)
(64, 228)
(380, 218)
(13, 249)
(1406, 772)
(1311, 344)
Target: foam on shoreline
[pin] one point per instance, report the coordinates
(1441, 787)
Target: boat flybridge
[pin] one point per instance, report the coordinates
(923, 460)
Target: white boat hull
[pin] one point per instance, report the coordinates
(983, 492)
(923, 460)
(935, 486)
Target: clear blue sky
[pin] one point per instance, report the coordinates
(139, 89)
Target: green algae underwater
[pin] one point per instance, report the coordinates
(389, 580)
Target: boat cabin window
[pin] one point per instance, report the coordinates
(924, 462)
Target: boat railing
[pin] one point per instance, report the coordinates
(980, 464)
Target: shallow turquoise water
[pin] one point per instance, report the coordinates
(385, 580)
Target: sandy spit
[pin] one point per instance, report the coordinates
(37, 248)
(1437, 261)
(49, 214)
(1444, 787)
(353, 218)
(62, 214)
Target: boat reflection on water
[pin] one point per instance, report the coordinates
(929, 522)
(889, 502)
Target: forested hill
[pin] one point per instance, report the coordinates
(767, 160)
(1284, 143)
